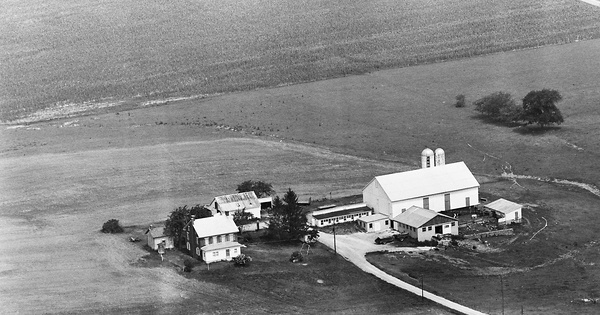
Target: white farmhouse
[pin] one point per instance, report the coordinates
(156, 236)
(437, 186)
(422, 224)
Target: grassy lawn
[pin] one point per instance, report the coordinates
(546, 274)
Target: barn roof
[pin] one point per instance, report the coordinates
(503, 206)
(417, 216)
(426, 181)
(373, 218)
(237, 202)
(217, 225)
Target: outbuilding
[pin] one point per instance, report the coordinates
(374, 223)
(439, 188)
(338, 214)
(230, 204)
(506, 211)
(422, 224)
(156, 236)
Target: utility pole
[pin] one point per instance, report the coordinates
(334, 245)
(502, 293)
(422, 290)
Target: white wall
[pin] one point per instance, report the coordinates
(374, 197)
(220, 254)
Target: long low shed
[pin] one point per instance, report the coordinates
(338, 215)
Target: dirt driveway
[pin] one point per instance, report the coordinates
(353, 248)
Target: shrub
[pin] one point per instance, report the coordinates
(499, 106)
(188, 264)
(296, 257)
(460, 100)
(242, 260)
(112, 226)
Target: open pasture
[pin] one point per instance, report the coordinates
(53, 259)
(77, 56)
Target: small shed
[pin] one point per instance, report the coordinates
(506, 211)
(374, 223)
(422, 224)
(156, 236)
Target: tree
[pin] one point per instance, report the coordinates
(242, 218)
(460, 100)
(180, 217)
(260, 188)
(287, 220)
(498, 106)
(539, 107)
(112, 226)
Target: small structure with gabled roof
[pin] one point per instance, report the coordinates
(422, 224)
(374, 223)
(230, 204)
(213, 239)
(439, 188)
(156, 236)
(506, 211)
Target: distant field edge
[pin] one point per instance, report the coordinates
(64, 110)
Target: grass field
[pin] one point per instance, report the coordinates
(76, 56)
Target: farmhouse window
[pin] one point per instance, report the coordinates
(370, 225)
(429, 228)
(219, 239)
(321, 222)
(210, 240)
(386, 222)
(235, 250)
(227, 237)
(426, 203)
(424, 229)
(453, 223)
(215, 253)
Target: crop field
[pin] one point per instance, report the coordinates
(71, 57)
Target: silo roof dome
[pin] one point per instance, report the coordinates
(439, 151)
(427, 152)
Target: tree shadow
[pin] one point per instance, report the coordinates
(535, 130)
(488, 120)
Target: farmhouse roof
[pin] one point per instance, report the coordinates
(237, 202)
(222, 245)
(417, 216)
(503, 206)
(217, 225)
(373, 218)
(426, 181)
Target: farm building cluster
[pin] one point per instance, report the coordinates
(423, 204)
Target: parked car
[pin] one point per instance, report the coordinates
(384, 240)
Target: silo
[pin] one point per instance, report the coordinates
(427, 158)
(440, 157)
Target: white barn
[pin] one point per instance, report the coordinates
(439, 188)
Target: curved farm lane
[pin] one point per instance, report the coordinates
(354, 249)
(592, 2)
